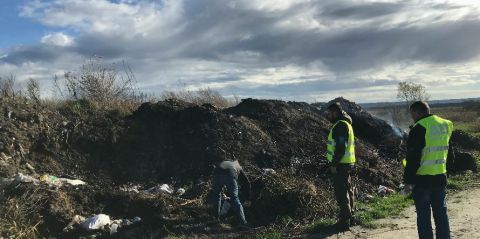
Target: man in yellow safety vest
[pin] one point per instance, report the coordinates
(341, 156)
(426, 168)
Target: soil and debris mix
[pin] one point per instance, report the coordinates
(77, 162)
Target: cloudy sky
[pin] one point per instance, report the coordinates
(308, 50)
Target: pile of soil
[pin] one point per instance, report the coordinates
(177, 143)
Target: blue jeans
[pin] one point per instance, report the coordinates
(429, 200)
(221, 180)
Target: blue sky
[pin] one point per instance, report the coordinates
(305, 50)
(17, 30)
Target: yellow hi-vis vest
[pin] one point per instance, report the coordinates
(349, 156)
(435, 152)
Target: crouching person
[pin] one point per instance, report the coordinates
(230, 174)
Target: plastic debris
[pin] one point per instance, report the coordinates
(365, 197)
(383, 190)
(100, 222)
(74, 182)
(26, 179)
(30, 167)
(268, 171)
(180, 191)
(51, 180)
(160, 188)
(6, 181)
(130, 188)
(96, 222)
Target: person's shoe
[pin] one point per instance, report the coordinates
(353, 221)
(244, 226)
(342, 225)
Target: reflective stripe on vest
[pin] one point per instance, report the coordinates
(349, 156)
(435, 152)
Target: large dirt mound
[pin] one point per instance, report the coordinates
(177, 143)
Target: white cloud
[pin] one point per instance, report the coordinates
(262, 47)
(58, 39)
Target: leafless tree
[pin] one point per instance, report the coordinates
(33, 90)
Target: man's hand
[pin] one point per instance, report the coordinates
(408, 189)
(333, 169)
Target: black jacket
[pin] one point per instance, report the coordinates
(415, 145)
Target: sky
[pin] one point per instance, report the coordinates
(302, 50)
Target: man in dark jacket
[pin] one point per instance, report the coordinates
(341, 155)
(425, 169)
(230, 174)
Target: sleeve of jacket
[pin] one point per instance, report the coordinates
(340, 136)
(415, 145)
(246, 187)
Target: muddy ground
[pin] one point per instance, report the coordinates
(176, 143)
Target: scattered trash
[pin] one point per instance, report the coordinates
(100, 222)
(30, 167)
(96, 222)
(160, 188)
(365, 197)
(73, 182)
(268, 171)
(26, 179)
(50, 180)
(180, 191)
(383, 190)
(130, 188)
(6, 181)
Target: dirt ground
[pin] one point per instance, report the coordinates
(463, 212)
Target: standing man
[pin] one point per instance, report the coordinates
(341, 155)
(229, 174)
(426, 168)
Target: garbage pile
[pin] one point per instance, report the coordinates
(156, 163)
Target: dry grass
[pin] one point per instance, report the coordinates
(200, 97)
(19, 216)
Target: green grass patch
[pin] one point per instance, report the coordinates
(380, 207)
(319, 225)
(462, 181)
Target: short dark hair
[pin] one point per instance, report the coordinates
(420, 107)
(335, 107)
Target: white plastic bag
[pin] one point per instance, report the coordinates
(74, 182)
(96, 222)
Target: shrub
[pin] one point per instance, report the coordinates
(200, 97)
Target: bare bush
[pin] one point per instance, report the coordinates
(199, 97)
(7, 86)
(98, 82)
(33, 90)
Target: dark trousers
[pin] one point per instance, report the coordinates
(342, 185)
(221, 180)
(429, 200)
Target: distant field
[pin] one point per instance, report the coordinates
(464, 118)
